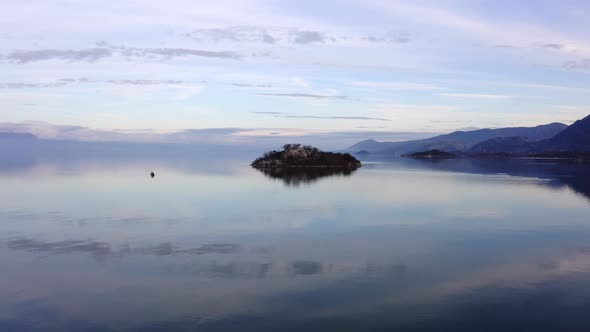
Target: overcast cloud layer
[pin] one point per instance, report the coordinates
(255, 138)
(367, 67)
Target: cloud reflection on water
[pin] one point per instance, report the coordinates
(398, 245)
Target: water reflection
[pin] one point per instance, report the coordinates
(306, 267)
(401, 245)
(104, 249)
(295, 177)
(98, 249)
(434, 290)
(559, 173)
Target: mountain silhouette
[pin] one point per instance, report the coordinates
(575, 139)
(458, 141)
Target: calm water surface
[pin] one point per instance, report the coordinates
(213, 245)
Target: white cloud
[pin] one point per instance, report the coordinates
(404, 55)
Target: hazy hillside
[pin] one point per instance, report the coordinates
(511, 145)
(458, 141)
(576, 138)
(573, 139)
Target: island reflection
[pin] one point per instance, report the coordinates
(294, 177)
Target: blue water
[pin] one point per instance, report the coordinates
(213, 245)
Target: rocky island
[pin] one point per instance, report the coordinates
(303, 156)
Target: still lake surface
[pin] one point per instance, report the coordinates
(213, 245)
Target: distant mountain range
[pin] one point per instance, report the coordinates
(461, 141)
(573, 139)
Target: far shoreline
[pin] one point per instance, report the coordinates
(579, 158)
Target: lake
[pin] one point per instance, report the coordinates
(95, 244)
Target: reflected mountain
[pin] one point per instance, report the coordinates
(294, 177)
(558, 172)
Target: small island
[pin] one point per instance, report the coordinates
(431, 154)
(304, 156)
(362, 153)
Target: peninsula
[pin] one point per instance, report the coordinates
(303, 156)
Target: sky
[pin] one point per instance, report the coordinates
(373, 68)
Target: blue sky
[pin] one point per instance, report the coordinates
(294, 67)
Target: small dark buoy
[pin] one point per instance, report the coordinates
(152, 174)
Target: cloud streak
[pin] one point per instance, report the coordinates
(96, 54)
(169, 53)
(234, 34)
(30, 85)
(336, 117)
(475, 96)
(289, 36)
(331, 117)
(146, 82)
(250, 85)
(87, 55)
(396, 86)
(302, 95)
(67, 81)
